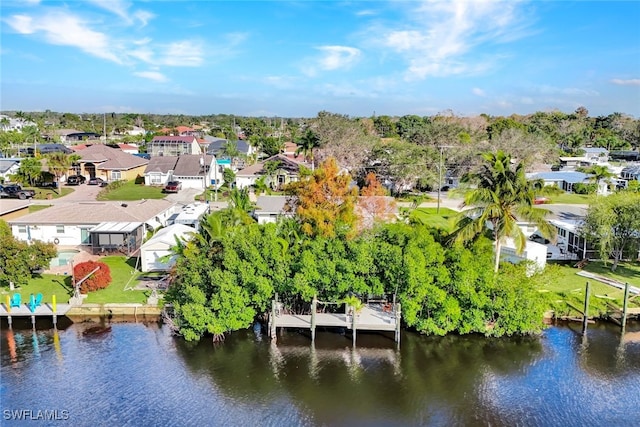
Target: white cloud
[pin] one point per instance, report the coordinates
(184, 53)
(156, 76)
(443, 38)
(479, 92)
(628, 82)
(121, 8)
(65, 29)
(332, 58)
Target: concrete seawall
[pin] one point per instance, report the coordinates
(115, 310)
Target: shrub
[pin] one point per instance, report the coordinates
(100, 279)
(581, 188)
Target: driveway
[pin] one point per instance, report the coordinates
(184, 196)
(81, 193)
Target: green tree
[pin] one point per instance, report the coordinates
(30, 169)
(614, 223)
(19, 259)
(501, 196)
(59, 164)
(307, 142)
(599, 174)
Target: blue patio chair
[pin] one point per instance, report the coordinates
(16, 300)
(32, 303)
(38, 299)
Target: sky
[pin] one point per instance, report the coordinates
(297, 58)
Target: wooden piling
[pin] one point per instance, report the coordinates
(314, 305)
(585, 312)
(353, 324)
(624, 305)
(398, 316)
(272, 321)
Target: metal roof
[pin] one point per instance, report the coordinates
(116, 227)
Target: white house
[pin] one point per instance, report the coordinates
(270, 209)
(79, 224)
(193, 171)
(535, 252)
(287, 171)
(8, 167)
(190, 215)
(173, 146)
(156, 253)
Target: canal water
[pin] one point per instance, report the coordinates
(136, 374)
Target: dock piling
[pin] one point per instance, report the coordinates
(585, 312)
(314, 305)
(624, 305)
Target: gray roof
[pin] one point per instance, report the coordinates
(189, 165)
(216, 146)
(271, 204)
(569, 176)
(162, 164)
(6, 164)
(97, 212)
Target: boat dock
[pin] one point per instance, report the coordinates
(371, 317)
(43, 310)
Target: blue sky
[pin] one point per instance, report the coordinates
(294, 59)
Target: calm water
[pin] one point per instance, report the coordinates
(134, 374)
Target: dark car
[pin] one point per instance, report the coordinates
(14, 191)
(76, 180)
(97, 181)
(172, 187)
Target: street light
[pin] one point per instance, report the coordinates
(442, 147)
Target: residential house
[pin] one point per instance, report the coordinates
(269, 209)
(562, 179)
(193, 171)
(173, 146)
(287, 171)
(110, 164)
(13, 124)
(99, 227)
(129, 148)
(245, 149)
(596, 155)
(190, 215)
(73, 135)
(631, 173)
(156, 253)
(8, 167)
(291, 151)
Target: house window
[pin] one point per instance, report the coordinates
(22, 229)
(116, 175)
(60, 229)
(155, 179)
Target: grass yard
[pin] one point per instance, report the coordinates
(50, 193)
(571, 199)
(36, 208)
(122, 274)
(428, 216)
(131, 191)
(566, 289)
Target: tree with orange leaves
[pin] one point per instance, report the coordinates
(325, 202)
(373, 203)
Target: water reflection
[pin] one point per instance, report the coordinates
(137, 374)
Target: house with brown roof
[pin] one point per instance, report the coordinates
(193, 171)
(173, 145)
(110, 164)
(96, 226)
(286, 171)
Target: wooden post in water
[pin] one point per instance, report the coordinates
(314, 304)
(272, 321)
(585, 312)
(398, 317)
(353, 324)
(624, 305)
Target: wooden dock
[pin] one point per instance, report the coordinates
(369, 318)
(43, 310)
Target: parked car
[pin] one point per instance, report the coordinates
(47, 184)
(76, 180)
(14, 191)
(172, 187)
(541, 201)
(97, 181)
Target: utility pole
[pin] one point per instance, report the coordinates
(442, 147)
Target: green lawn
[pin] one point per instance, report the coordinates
(122, 274)
(428, 216)
(565, 288)
(36, 208)
(131, 191)
(50, 193)
(571, 199)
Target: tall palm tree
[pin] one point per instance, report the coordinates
(501, 196)
(59, 164)
(307, 142)
(598, 174)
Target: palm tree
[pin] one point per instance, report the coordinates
(502, 195)
(599, 173)
(307, 142)
(59, 164)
